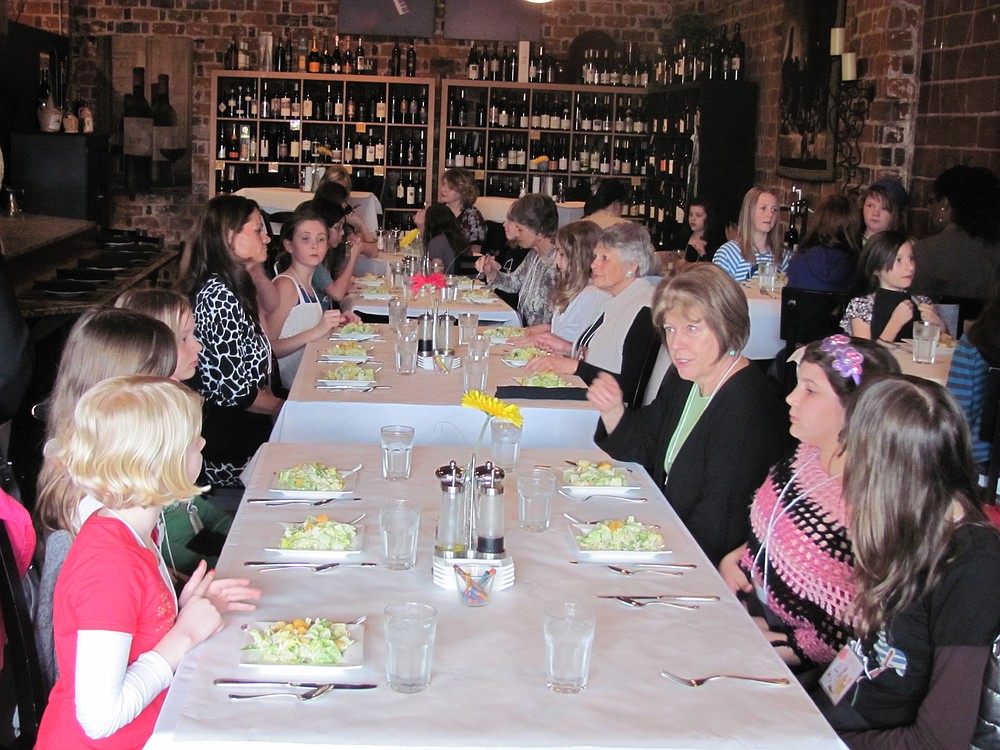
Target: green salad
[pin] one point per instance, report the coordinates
(319, 533)
(311, 477)
(351, 371)
(621, 536)
(478, 294)
(544, 380)
(347, 349)
(504, 332)
(588, 474)
(523, 353)
(303, 641)
(358, 328)
(380, 289)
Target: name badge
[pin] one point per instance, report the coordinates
(841, 675)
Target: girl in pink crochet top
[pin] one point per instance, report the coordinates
(795, 571)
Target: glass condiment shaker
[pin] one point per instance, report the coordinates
(452, 529)
(489, 517)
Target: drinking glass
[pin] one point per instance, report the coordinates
(399, 525)
(397, 312)
(410, 628)
(397, 451)
(569, 639)
(406, 347)
(506, 444)
(479, 345)
(395, 274)
(925, 339)
(534, 491)
(475, 371)
(467, 323)
(766, 273)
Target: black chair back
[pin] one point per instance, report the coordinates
(30, 689)
(969, 308)
(807, 316)
(989, 430)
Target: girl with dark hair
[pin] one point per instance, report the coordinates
(441, 234)
(887, 311)
(796, 567)
(706, 234)
(883, 208)
(234, 372)
(926, 572)
(828, 261)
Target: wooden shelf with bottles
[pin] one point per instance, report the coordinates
(724, 114)
(545, 135)
(269, 127)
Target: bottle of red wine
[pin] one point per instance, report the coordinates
(137, 136)
(166, 142)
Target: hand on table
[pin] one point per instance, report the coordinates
(550, 363)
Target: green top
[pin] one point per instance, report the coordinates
(693, 409)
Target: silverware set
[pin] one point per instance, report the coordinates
(313, 689)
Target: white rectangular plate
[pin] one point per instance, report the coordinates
(341, 358)
(352, 336)
(349, 485)
(514, 362)
(597, 489)
(366, 295)
(610, 555)
(370, 282)
(317, 555)
(481, 300)
(353, 656)
(356, 384)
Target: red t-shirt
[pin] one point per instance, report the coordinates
(108, 582)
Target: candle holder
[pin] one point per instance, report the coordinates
(850, 104)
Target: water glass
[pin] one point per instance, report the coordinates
(406, 347)
(479, 345)
(467, 323)
(506, 444)
(535, 488)
(397, 451)
(569, 640)
(399, 525)
(395, 273)
(925, 339)
(397, 312)
(409, 645)
(475, 371)
(766, 273)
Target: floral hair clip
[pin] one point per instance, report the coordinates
(847, 361)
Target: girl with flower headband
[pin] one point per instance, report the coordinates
(887, 312)
(795, 570)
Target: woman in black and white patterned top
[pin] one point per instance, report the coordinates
(235, 365)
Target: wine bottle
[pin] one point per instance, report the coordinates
(325, 61)
(166, 138)
(336, 60)
(137, 136)
(396, 60)
(472, 64)
(737, 54)
(312, 61)
(360, 61)
(411, 61)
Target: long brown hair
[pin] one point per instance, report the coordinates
(745, 227)
(576, 240)
(908, 466)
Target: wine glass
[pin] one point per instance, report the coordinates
(172, 155)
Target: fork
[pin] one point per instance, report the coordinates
(306, 696)
(609, 497)
(580, 521)
(627, 572)
(636, 603)
(264, 566)
(699, 681)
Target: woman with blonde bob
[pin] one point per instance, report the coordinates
(926, 572)
(758, 237)
(716, 425)
(134, 446)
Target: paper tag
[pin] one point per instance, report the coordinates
(841, 675)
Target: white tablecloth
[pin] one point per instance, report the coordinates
(274, 199)
(487, 686)
(496, 313)
(765, 322)
(937, 372)
(494, 208)
(429, 401)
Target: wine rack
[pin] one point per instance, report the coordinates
(270, 129)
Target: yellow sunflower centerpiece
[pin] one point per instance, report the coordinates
(493, 408)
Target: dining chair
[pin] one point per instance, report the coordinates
(30, 690)
(807, 316)
(989, 431)
(958, 311)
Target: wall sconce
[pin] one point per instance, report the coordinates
(850, 103)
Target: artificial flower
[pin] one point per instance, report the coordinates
(436, 280)
(408, 238)
(493, 407)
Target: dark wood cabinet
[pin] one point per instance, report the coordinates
(61, 174)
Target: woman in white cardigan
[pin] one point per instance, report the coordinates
(621, 340)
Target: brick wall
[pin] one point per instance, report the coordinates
(944, 51)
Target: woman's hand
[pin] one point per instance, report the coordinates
(605, 393)
(488, 266)
(929, 314)
(551, 343)
(349, 316)
(227, 594)
(354, 246)
(732, 573)
(549, 363)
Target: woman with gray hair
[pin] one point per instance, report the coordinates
(716, 425)
(532, 221)
(622, 340)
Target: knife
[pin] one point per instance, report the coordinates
(229, 682)
(300, 500)
(664, 597)
(301, 564)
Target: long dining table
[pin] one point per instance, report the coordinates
(491, 310)
(487, 687)
(429, 401)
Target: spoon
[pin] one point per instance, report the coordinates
(352, 470)
(636, 603)
(626, 572)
